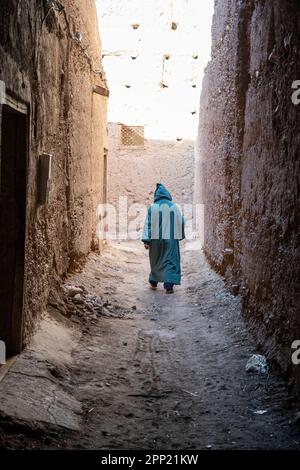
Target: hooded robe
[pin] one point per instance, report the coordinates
(163, 229)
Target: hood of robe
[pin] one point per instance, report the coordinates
(161, 193)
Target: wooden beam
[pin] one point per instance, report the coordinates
(101, 90)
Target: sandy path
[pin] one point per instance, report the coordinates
(170, 373)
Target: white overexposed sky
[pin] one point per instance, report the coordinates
(146, 88)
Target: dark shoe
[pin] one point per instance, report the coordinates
(169, 287)
(153, 285)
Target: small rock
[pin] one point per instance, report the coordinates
(260, 412)
(72, 291)
(133, 307)
(257, 363)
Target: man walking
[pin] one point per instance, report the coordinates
(164, 228)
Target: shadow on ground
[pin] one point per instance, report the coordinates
(116, 365)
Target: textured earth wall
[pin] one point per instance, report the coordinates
(50, 59)
(249, 152)
(133, 173)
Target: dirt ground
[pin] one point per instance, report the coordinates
(154, 371)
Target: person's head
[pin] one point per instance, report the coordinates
(161, 192)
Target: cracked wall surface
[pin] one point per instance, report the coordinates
(249, 150)
(51, 59)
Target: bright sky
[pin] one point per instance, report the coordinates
(146, 88)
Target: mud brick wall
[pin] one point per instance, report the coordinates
(134, 172)
(50, 59)
(249, 150)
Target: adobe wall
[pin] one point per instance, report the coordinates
(249, 150)
(51, 59)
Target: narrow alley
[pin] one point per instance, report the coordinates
(142, 369)
(149, 225)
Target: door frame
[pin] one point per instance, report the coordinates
(20, 107)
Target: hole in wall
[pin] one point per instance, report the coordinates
(135, 26)
(128, 86)
(174, 26)
(167, 56)
(195, 56)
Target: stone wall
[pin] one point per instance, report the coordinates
(50, 59)
(135, 172)
(249, 144)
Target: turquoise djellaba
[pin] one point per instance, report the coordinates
(163, 230)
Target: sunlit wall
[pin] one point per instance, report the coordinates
(154, 53)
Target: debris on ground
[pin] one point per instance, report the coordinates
(257, 363)
(75, 301)
(260, 412)
(90, 305)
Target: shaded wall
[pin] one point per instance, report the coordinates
(249, 151)
(50, 59)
